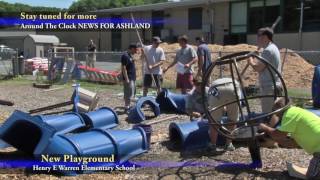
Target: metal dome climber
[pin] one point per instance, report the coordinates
(249, 120)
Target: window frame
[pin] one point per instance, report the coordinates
(281, 5)
(191, 25)
(230, 18)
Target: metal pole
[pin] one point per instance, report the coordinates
(221, 70)
(301, 24)
(99, 40)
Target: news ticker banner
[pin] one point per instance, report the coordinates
(67, 21)
(74, 165)
(68, 167)
(71, 164)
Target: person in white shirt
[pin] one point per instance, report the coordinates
(154, 58)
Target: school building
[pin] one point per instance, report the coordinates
(219, 21)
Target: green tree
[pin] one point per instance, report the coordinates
(15, 8)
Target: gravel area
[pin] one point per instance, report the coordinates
(274, 160)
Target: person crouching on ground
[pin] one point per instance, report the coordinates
(194, 106)
(302, 126)
(128, 70)
(221, 92)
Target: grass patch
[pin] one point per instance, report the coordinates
(98, 86)
(28, 80)
(299, 93)
(92, 86)
(19, 80)
(300, 97)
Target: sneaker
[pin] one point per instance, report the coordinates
(229, 147)
(211, 148)
(296, 171)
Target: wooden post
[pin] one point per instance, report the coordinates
(51, 107)
(284, 59)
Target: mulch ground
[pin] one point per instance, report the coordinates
(274, 160)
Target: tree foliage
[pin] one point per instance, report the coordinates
(92, 5)
(18, 7)
(77, 6)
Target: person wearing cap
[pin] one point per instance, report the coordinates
(154, 57)
(185, 57)
(128, 70)
(298, 125)
(204, 56)
(272, 54)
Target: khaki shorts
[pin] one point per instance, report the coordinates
(91, 59)
(129, 90)
(224, 94)
(268, 102)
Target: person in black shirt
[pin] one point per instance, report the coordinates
(128, 70)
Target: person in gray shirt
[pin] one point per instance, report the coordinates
(185, 57)
(204, 56)
(272, 54)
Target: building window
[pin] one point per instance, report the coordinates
(195, 18)
(255, 15)
(239, 17)
(272, 11)
(291, 16)
(311, 15)
(262, 13)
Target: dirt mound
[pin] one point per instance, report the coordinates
(297, 72)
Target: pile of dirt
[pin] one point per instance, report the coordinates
(297, 72)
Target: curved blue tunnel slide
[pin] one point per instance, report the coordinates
(191, 135)
(81, 135)
(136, 115)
